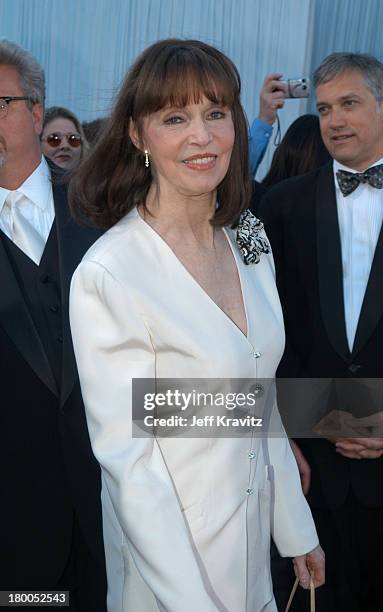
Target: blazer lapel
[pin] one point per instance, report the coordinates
(73, 241)
(17, 322)
(372, 307)
(330, 272)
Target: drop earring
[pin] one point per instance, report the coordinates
(147, 164)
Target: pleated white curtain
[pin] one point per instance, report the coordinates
(86, 46)
(346, 25)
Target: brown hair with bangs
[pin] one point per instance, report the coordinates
(113, 179)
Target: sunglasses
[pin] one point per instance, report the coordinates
(55, 140)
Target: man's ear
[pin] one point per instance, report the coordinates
(38, 117)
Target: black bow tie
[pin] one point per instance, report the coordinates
(349, 181)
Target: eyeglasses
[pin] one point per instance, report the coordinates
(55, 140)
(5, 100)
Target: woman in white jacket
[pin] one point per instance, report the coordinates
(182, 286)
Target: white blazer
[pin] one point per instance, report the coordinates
(187, 521)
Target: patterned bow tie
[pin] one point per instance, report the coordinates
(349, 181)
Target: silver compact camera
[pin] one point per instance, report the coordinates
(297, 88)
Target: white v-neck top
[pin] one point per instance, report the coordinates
(187, 520)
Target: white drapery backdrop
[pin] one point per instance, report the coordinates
(86, 46)
(346, 25)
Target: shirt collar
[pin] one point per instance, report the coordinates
(338, 166)
(36, 187)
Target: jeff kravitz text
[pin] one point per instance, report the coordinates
(206, 421)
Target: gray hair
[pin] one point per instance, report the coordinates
(32, 79)
(338, 63)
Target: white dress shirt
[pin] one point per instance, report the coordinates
(37, 202)
(360, 216)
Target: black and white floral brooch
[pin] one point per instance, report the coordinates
(251, 238)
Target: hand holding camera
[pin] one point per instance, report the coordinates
(274, 92)
(272, 97)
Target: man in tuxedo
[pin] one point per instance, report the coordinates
(50, 516)
(325, 232)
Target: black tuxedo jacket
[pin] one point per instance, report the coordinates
(300, 216)
(48, 472)
(258, 190)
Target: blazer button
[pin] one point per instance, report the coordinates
(354, 367)
(251, 455)
(258, 390)
(54, 308)
(249, 491)
(256, 354)
(45, 279)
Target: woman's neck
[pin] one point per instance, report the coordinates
(175, 216)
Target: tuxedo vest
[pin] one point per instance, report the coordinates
(40, 287)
